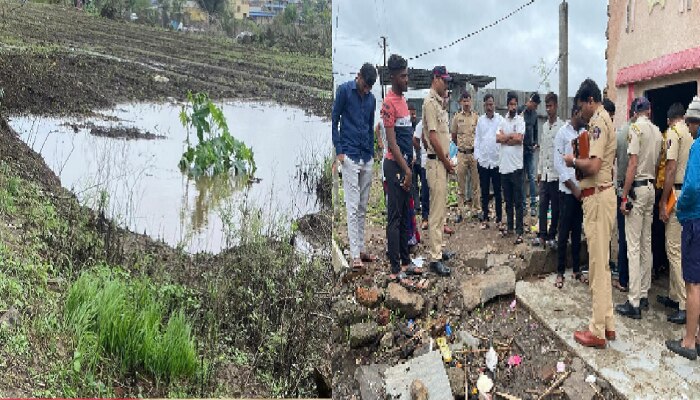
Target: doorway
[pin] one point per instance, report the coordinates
(662, 98)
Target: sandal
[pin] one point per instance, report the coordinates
(505, 233)
(559, 283)
(358, 265)
(519, 239)
(424, 225)
(364, 257)
(616, 284)
(402, 279)
(579, 276)
(484, 226)
(412, 269)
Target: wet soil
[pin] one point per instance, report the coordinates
(119, 132)
(58, 60)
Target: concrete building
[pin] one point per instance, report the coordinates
(653, 50)
(241, 9)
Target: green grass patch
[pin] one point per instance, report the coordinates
(110, 316)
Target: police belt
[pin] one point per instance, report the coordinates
(643, 182)
(432, 156)
(467, 151)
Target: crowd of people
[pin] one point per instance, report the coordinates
(590, 177)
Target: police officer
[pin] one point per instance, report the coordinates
(645, 142)
(437, 138)
(463, 128)
(598, 211)
(677, 145)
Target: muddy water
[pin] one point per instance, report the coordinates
(139, 184)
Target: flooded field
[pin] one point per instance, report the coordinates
(125, 161)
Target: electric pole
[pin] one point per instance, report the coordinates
(384, 47)
(564, 59)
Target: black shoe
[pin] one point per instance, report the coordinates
(628, 310)
(644, 303)
(447, 255)
(667, 302)
(439, 268)
(459, 219)
(676, 347)
(677, 318)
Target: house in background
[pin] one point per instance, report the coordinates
(654, 51)
(193, 14)
(241, 9)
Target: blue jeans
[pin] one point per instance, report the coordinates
(529, 174)
(622, 265)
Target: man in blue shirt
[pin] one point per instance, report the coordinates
(530, 145)
(353, 138)
(688, 213)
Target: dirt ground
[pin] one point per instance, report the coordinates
(501, 321)
(57, 60)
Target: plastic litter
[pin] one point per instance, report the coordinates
(590, 379)
(491, 359)
(514, 360)
(484, 384)
(512, 305)
(561, 367)
(444, 349)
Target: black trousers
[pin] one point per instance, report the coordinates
(513, 192)
(397, 216)
(549, 195)
(658, 239)
(490, 177)
(570, 225)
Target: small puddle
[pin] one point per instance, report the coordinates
(138, 181)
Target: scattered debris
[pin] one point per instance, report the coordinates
(478, 290)
(428, 368)
(456, 377)
(400, 299)
(561, 367)
(491, 359)
(369, 378)
(418, 390)
(590, 379)
(484, 384)
(363, 334)
(368, 297)
(555, 385)
(387, 341)
(514, 360)
(383, 316)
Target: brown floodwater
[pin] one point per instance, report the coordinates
(139, 184)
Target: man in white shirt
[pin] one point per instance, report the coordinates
(547, 176)
(424, 189)
(486, 151)
(510, 136)
(571, 217)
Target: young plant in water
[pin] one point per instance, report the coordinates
(216, 152)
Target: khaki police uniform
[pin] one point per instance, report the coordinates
(678, 142)
(599, 214)
(435, 118)
(645, 142)
(464, 126)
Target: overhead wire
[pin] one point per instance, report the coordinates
(483, 28)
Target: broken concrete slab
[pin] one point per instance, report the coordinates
(429, 368)
(364, 334)
(369, 379)
(479, 289)
(477, 258)
(637, 364)
(575, 386)
(398, 298)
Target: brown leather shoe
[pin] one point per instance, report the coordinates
(588, 339)
(610, 335)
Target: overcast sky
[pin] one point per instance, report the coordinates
(509, 51)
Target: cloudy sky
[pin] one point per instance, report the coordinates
(510, 51)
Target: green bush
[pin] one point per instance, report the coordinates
(110, 317)
(218, 152)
